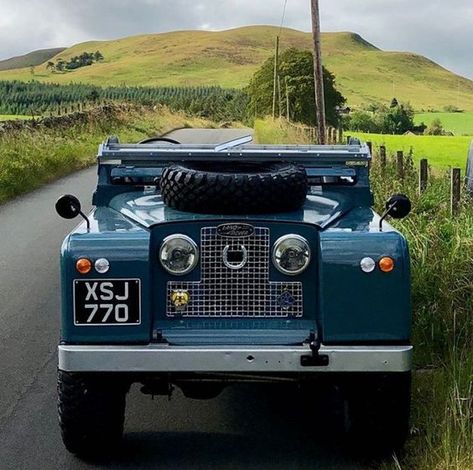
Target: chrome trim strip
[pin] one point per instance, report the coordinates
(164, 358)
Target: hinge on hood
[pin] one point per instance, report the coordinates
(158, 337)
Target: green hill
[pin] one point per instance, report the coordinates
(229, 58)
(33, 58)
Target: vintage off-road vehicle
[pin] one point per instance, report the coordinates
(206, 265)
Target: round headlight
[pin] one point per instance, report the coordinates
(291, 254)
(179, 255)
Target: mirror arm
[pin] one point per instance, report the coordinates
(386, 213)
(86, 220)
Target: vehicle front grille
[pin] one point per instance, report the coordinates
(238, 287)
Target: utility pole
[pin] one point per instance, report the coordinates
(276, 75)
(280, 97)
(288, 107)
(318, 73)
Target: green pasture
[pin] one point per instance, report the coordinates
(442, 152)
(458, 123)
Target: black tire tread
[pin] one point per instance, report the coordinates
(270, 188)
(91, 413)
(378, 413)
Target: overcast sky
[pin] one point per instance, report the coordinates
(439, 29)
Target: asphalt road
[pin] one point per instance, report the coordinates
(246, 427)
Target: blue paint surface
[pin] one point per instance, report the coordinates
(342, 304)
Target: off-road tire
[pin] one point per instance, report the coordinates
(228, 189)
(377, 413)
(91, 413)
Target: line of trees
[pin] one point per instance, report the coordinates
(34, 98)
(84, 60)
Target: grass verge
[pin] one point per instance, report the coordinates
(12, 117)
(31, 156)
(268, 131)
(442, 285)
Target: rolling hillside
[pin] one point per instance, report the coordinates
(229, 58)
(33, 58)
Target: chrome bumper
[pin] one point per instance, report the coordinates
(247, 359)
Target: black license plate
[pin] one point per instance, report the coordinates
(107, 302)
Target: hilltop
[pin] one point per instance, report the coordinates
(31, 59)
(229, 58)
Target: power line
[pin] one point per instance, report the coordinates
(283, 16)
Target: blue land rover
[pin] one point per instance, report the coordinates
(207, 265)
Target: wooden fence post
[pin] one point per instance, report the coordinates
(400, 164)
(340, 135)
(382, 157)
(455, 191)
(370, 146)
(423, 175)
(348, 139)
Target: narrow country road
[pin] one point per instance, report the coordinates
(246, 427)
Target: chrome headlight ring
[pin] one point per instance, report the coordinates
(291, 254)
(179, 254)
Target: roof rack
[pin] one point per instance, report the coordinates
(112, 152)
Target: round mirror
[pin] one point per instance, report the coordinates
(68, 207)
(399, 206)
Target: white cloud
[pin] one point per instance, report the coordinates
(438, 29)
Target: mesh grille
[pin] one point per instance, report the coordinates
(242, 291)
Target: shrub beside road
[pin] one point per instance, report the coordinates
(32, 154)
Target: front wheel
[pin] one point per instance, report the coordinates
(377, 412)
(91, 412)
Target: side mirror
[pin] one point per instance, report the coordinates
(69, 207)
(398, 206)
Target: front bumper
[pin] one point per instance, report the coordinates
(221, 359)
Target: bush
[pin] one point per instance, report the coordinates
(435, 128)
(397, 119)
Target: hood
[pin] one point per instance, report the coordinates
(148, 209)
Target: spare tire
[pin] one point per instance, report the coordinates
(210, 188)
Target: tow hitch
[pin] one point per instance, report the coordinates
(315, 359)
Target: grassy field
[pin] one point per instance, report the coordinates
(11, 117)
(458, 123)
(442, 273)
(442, 152)
(31, 158)
(229, 58)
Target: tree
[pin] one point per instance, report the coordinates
(394, 103)
(50, 66)
(60, 65)
(398, 119)
(98, 56)
(32, 69)
(93, 96)
(363, 121)
(297, 67)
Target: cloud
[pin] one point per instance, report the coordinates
(435, 28)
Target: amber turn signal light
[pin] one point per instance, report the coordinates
(84, 266)
(386, 264)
